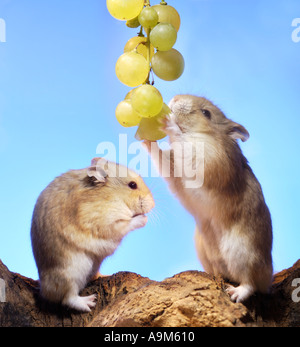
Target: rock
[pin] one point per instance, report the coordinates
(188, 299)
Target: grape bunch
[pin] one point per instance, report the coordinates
(151, 50)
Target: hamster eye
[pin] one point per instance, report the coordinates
(132, 185)
(206, 114)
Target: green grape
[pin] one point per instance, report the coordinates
(126, 115)
(168, 65)
(148, 18)
(133, 23)
(129, 94)
(124, 9)
(147, 101)
(150, 128)
(139, 42)
(167, 14)
(163, 36)
(132, 69)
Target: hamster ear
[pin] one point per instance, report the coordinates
(237, 131)
(98, 169)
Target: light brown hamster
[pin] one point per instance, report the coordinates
(80, 219)
(233, 234)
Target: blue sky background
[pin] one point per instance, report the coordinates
(58, 93)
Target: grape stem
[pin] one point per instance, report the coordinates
(148, 45)
(163, 2)
(141, 34)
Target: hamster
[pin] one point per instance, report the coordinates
(80, 219)
(233, 234)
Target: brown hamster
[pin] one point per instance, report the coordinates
(80, 219)
(233, 225)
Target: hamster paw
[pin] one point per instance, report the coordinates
(138, 221)
(240, 293)
(170, 127)
(81, 303)
(148, 145)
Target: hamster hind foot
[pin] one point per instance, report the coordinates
(240, 293)
(80, 303)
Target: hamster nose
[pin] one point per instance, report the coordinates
(176, 98)
(146, 203)
(173, 101)
(94, 161)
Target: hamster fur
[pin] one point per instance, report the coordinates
(233, 236)
(80, 219)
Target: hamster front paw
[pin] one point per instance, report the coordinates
(147, 145)
(138, 221)
(170, 127)
(240, 293)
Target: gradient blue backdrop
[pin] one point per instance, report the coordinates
(58, 93)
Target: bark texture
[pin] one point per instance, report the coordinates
(188, 299)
